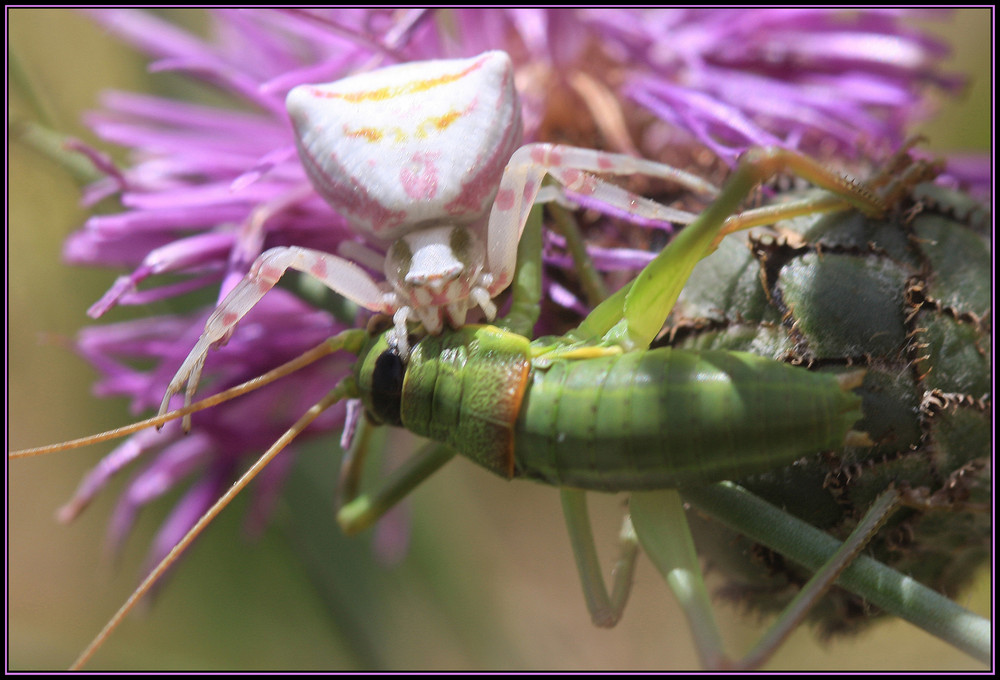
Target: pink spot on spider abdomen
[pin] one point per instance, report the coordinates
(419, 176)
(480, 187)
(479, 190)
(350, 198)
(229, 319)
(474, 198)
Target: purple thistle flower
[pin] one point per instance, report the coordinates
(278, 329)
(208, 188)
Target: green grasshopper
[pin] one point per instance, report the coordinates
(733, 434)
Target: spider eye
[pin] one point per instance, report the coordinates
(387, 387)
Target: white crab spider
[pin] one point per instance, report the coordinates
(424, 156)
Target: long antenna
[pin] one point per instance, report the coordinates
(346, 388)
(350, 340)
(328, 346)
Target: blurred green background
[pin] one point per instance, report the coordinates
(489, 581)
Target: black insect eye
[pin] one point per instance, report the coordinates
(387, 387)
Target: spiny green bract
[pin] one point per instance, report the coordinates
(907, 297)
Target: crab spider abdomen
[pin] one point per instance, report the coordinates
(405, 147)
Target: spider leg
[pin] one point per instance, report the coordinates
(338, 274)
(572, 168)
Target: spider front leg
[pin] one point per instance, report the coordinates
(572, 168)
(338, 274)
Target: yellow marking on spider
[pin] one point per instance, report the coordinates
(413, 87)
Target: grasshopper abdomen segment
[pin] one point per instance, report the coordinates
(666, 419)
